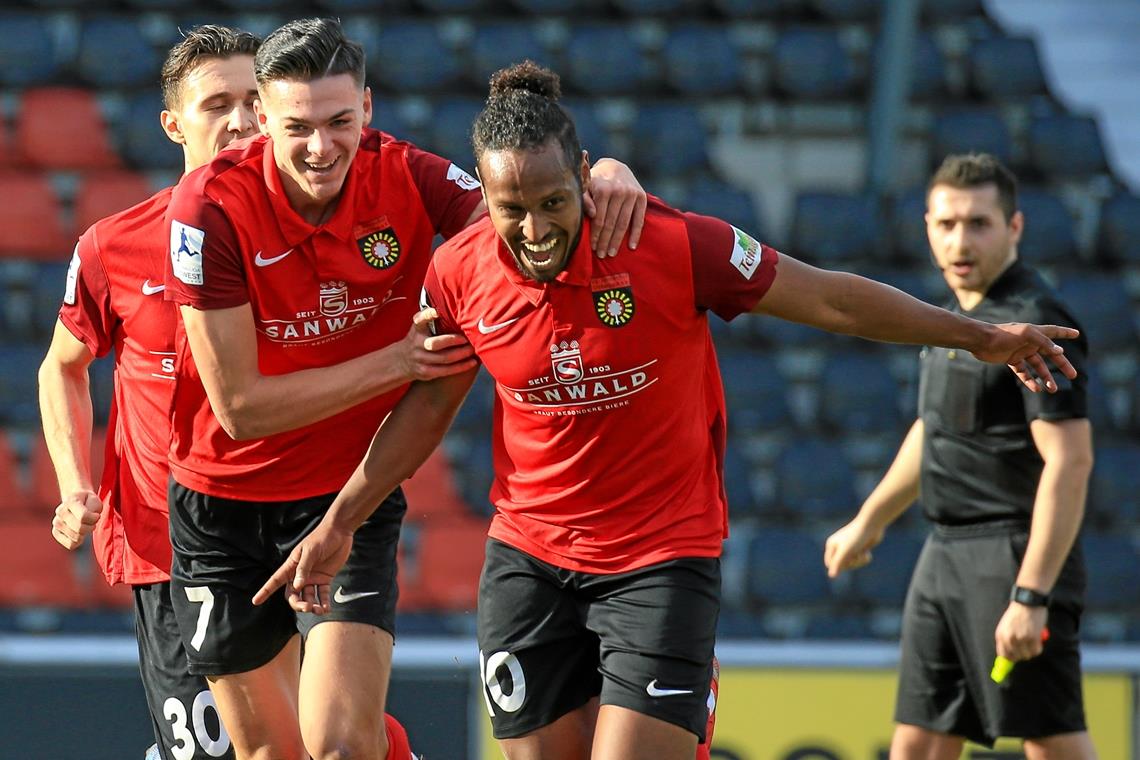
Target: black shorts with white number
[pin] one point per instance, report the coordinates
(186, 722)
(225, 549)
(550, 639)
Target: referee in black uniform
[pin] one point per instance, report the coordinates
(1003, 474)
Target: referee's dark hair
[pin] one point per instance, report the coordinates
(200, 44)
(308, 49)
(522, 112)
(969, 170)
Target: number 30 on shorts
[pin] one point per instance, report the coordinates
(175, 712)
(490, 669)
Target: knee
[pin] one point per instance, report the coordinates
(354, 746)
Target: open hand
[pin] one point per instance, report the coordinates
(616, 202)
(1025, 347)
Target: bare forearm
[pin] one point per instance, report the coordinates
(1057, 514)
(899, 487)
(65, 410)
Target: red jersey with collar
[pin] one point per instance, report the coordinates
(609, 422)
(319, 295)
(113, 301)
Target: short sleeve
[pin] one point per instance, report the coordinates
(204, 268)
(449, 194)
(1071, 399)
(86, 309)
(731, 270)
(433, 295)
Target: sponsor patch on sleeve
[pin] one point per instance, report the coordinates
(186, 252)
(72, 278)
(461, 178)
(745, 253)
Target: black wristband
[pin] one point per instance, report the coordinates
(1029, 597)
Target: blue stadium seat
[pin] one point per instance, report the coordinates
(755, 391)
(592, 134)
(712, 197)
(459, 6)
(387, 118)
(145, 146)
(785, 568)
(858, 394)
(1104, 309)
(846, 10)
(701, 61)
(1099, 409)
(911, 280)
(738, 484)
(884, 582)
(28, 51)
(1006, 67)
(19, 403)
(814, 480)
(1114, 485)
(498, 45)
(744, 9)
(474, 473)
(114, 52)
(582, 8)
(811, 64)
(449, 133)
(382, 8)
(833, 227)
(606, 59)
(474, 416)
(1111, 560)
(1050, 235)
(1118, 239)
(908, 227)
(1064, 145)
(411, 56)
(642, 8)
(978, 129)
(1134, 404)
(669, 139)
(927, 67)
(47, 295)
(102, 376)
(950, 10)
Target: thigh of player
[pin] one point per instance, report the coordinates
(186, 721)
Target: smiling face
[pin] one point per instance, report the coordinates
(216, 107)
(970, 238)
(315, 127)
(535, 203)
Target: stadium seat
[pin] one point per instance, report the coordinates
(1103, 308)
(1005, 67)
(712, 197)
(592, 134)
(474, 417)
(668, 139)
(1114, 485)
(884, 582)
(449, 133)
(738, 484)
(450, 558)
(475, 471)
(31, 221)
(46, 297)
(927, 67)
(701, 61)
(579, 8)
(19, 403)
(102, 376)
(114, 52)
(498, 45)
(784, 568)
(829, 227)
(910, 280)
(811, 64)
(858, 394)
(1118, 238)
(45, 140)
(37, 571)
(101, 194)
(846, 10)
(908, 227)
(145, 146)
(431, 491)
(412, 56)
(755, 391)
(1050, 236)
(1099, 409)
(814, 480)
(28, 50)
(14, 496)
(1064, 145)
(44, 486)
(972, 130)
(606, 59)
(382, 8)
(1111, 560)
(950, 10)
(643, 8)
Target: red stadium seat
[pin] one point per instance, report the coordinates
(431, 491)
(31, 225)
(14, 496)
(36, 570)
(450, 558)
(108, 192)
(63, 128)
(45, 487)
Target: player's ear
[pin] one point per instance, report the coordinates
(172, 126)
(368, 107)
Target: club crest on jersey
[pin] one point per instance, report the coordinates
(381, 249)
(614, 306)
(566, 361)
(334, 298)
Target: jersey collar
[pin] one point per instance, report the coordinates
(577, 272)
(294, 229)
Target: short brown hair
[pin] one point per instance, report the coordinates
(308, 49)
(969, 170)
(202, 43)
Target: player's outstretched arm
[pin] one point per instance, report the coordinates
(249, 404)
(405, 440)
(65, 408)
(845, 303)
(616, 202)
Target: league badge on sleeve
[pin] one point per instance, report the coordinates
(461, 178)
(745, 254)
(72, 278)
(186, 252)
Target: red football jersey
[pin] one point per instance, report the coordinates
(609, 422)
(114, 301)
(320, 296)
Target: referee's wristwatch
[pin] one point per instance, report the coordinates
(1029, 597)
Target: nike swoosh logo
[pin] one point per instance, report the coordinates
(261, 261)
(340, 597)
(653, 691)
(486, 329)
(150, 290)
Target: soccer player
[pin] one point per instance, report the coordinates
(1003, 475)
(600, 590)
(297, 260)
